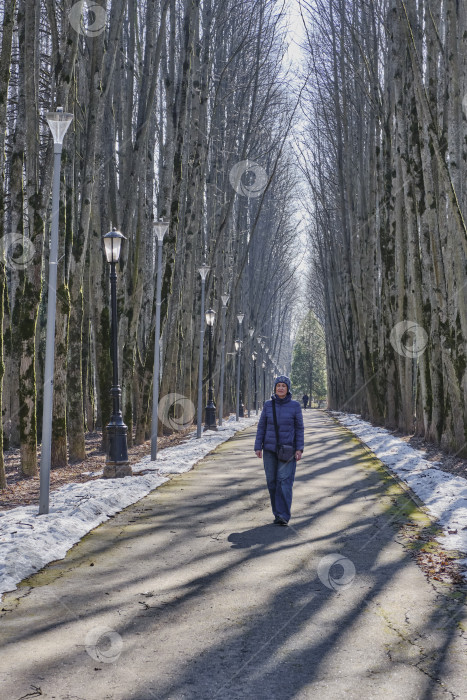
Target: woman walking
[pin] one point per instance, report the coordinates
(280, 441)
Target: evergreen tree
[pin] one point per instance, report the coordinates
(309, 360)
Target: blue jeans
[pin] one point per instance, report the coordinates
(280, 477)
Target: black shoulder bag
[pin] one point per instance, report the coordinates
(284, 452)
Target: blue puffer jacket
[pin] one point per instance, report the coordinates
(289, 422)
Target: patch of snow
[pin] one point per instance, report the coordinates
(29, 541)
(444, 495)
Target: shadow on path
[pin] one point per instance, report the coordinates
(211, 600)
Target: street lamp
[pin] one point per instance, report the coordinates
(254, 355)
(251, 332)
(58, 122)
(240, 318)
(238, 348)
(203, 271)
(117, 455)
(210, 411)
(262, 345)
(160, 229)
(264, 382)
(225, 301)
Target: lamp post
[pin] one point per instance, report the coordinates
(203, 271)
(117, 455)
(225, 301)
(251, 332)
(254, 355)
(261, 343)
(268, 361)
(160, 229)
(58, 122)
(264, 382)
(238, 348)
(240, 318)
(210, 411)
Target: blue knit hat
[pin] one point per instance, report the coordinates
(284, 379)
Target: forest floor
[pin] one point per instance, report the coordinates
(23, 490)
(451, 463)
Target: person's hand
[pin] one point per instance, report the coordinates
(298, 455)
(258, 453)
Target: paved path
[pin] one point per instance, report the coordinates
(194, 593)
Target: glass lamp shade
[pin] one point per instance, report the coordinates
(251, 332)
(203, 271)
(240, 317)
(238, 345)
(225, 299)
(113, 243)
(264, 364)
(160, 229)
(210, 317)
(58, 122)
(254, 355)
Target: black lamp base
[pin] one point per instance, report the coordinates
(210, 417)
(117, 471)
(117, 465)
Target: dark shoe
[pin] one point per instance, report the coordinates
(277, 520)
(281, 521)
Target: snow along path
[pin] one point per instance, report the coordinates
(444, 495)
(29, 541)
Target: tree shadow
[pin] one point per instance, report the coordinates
(250, 613)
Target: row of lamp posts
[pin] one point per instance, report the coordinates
(117, 456)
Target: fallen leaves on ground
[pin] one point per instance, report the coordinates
(436, 563)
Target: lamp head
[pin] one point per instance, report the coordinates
(113, 243)
(254, 355)
(203, 271)
(240, 318)
(238, 345)
(58, 122)
(225, 299)
(210, 317)
(251, 331)
(160, 229)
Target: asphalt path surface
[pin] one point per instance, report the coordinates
(193, 592)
